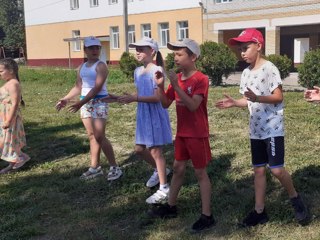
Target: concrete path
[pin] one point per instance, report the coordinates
(289, 84)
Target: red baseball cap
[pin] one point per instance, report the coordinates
(248, 35)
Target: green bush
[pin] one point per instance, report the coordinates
(169, 62)
(283, 63)
(128, 63)
(216, 60)
(309, 71)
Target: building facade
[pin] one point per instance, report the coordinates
(290, 27)
(55, 28)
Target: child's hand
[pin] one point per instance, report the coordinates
(127, 98)
(5, 125)
(110, 98)
(75, 107)
(250, 95)
(173, 78)
(226, 102)
(159, 78)
(312, 94)
(61, 104)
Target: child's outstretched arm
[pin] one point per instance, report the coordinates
(159, 78)
(111, 98)
(313, 95)
(229, 102)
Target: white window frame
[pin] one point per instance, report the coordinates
(182, 31)
(115, 41)
(94, 3)
(113, 2)
(131, 34)
(144, 31)
(77, 43)
(223, 1)
(74, 4)
(164, 34)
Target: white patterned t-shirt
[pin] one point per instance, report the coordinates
(266, 120)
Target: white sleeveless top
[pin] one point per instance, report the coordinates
(88, 76)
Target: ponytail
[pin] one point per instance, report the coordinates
(159, 59)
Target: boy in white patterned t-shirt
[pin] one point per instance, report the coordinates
(261, 87)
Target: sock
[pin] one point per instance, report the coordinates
(164, 187)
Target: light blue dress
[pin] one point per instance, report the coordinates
(153, 124)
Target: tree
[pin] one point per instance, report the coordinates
(12, 27)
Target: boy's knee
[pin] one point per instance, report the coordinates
(259, 171)
(278, 172)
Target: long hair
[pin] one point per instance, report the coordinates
(11, 65)
(159, 60)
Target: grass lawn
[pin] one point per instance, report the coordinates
(46, 199)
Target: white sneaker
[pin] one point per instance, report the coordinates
(114, 173)
(154, 179)
(92, 173)
(158, 197)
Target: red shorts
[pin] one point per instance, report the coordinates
(196, 149)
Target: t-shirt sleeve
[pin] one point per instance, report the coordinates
(202, 86)
(274, 78)
(170, 93)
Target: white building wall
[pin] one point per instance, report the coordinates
(53, 11)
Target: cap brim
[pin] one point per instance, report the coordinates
(172, 46)
(236, 41)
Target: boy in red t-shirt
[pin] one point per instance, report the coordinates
(189, 89)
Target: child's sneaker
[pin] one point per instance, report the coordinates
(163, 211)
(158, 197)
(92, 173)
(203, 223)
(300, 210)
(255, 218)
(154, 179)
(114, 173)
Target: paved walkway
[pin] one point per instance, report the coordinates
(289, 84)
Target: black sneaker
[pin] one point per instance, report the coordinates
(203, 223)
(300, 210)
(255, 218)
(163, 211)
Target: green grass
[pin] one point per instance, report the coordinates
(46, 199)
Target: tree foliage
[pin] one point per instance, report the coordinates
(283, 63)
(216, 60)
(309, 70)
(128, 63)
(12, 27)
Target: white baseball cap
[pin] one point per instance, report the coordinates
(145, 41)
(91, 41)
(192, 45)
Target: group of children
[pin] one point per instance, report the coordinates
(261, 87)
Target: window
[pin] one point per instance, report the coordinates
(131, 34)
(77, 43)
(94, 3)
(223, 1)
(164, 34)
(113, 2)
(182, 30)
(115, 37)
(74, 4)
(146, 30)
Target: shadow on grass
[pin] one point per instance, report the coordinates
(57, 205)
(45, 145)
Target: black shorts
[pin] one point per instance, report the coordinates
(269, 151)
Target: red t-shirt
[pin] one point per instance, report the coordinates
(191, 124)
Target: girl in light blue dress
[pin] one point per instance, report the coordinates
(153, 128)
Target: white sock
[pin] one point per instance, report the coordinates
(164, 187)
